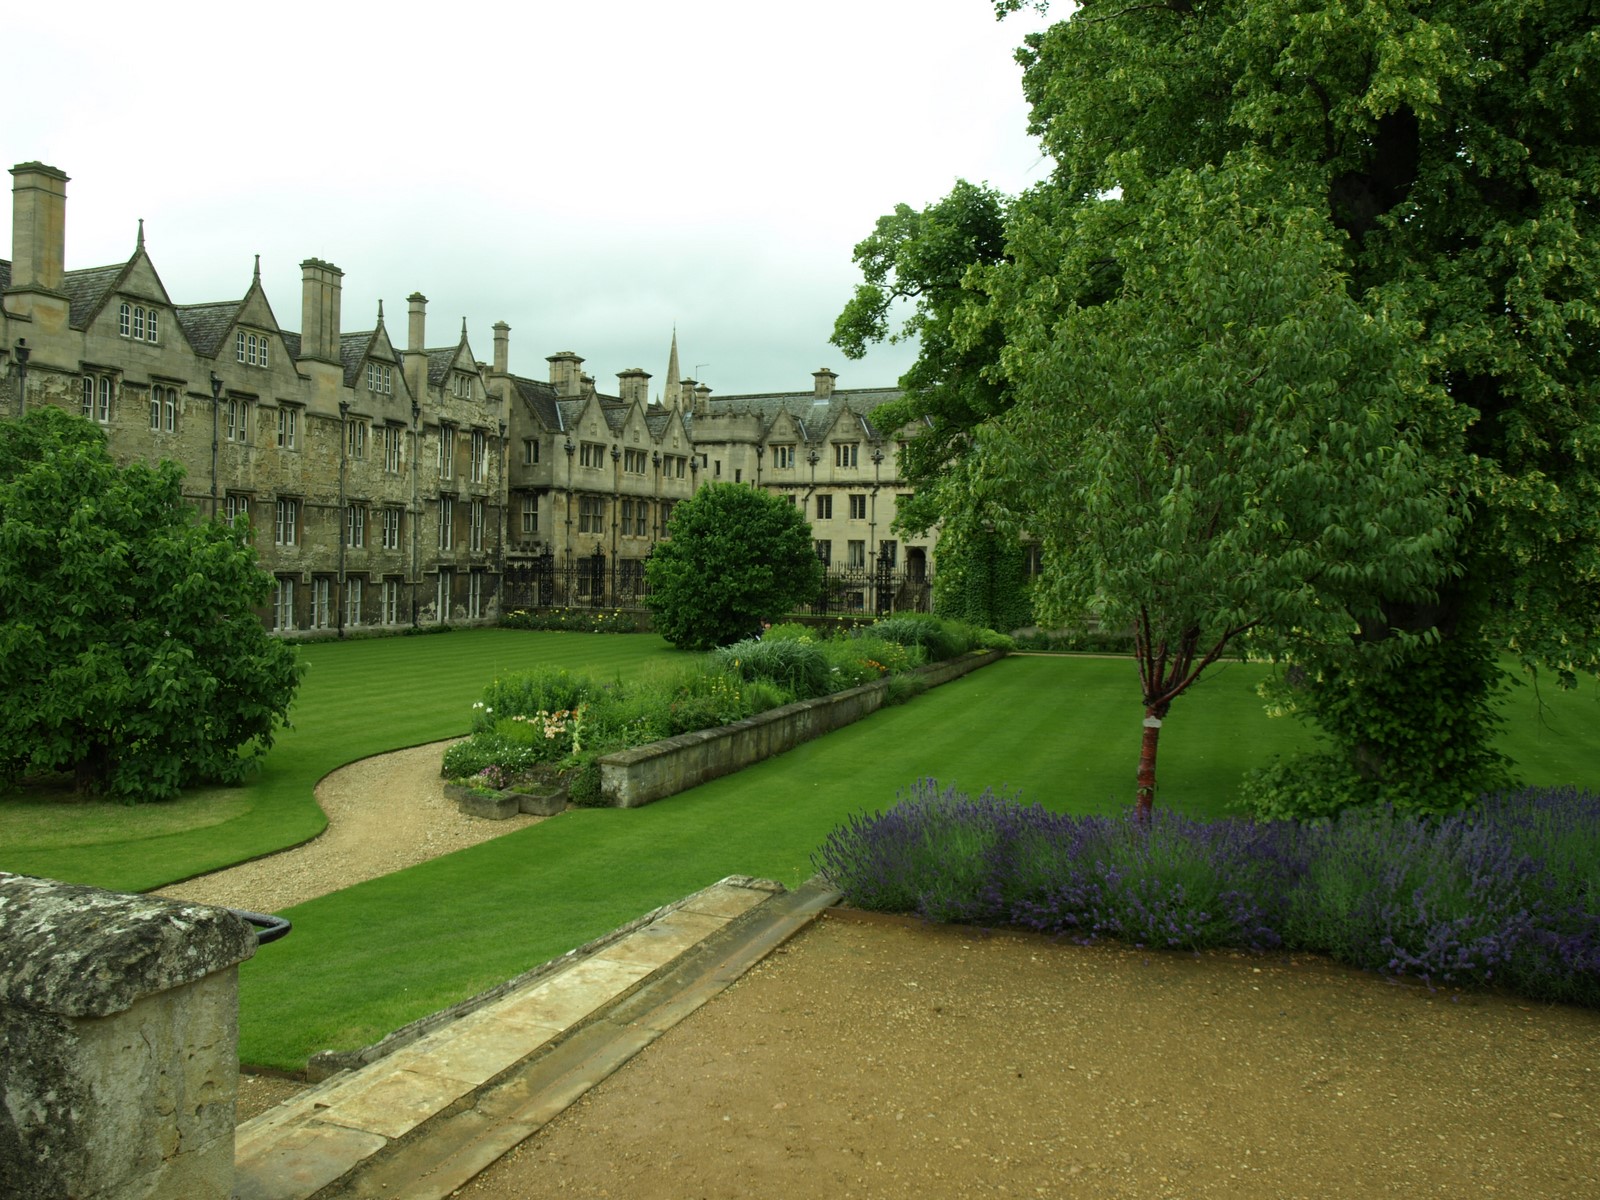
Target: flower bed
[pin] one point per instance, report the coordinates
(555, 720)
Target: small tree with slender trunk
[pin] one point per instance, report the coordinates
(1219, 450)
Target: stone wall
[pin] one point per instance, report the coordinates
(632, 778)
(119, 1022)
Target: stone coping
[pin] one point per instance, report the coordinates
(643, 774)
(80, 951)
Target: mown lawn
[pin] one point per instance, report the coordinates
(356, 699)
(1063, 732)
(1060, 731)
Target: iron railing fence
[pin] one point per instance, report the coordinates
(618, 581)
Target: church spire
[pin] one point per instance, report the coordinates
(669, 393)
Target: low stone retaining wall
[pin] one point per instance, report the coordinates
(119, 1022)
(632, 778)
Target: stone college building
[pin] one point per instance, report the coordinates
(393, 484)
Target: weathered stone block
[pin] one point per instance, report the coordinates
(119, 1019)
(492, 806)
(541, 804)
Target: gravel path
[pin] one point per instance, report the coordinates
(385, 813)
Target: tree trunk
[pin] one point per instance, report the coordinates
(1145, 783)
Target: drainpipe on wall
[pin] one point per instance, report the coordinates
(342, 523)
(416, 507)
(216, 401)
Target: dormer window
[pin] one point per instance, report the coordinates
(461, 387)
(250, 348)
(380, 378)
(137, 322)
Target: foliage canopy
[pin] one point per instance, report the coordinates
(128, 643)
(734, 557)
(1421, 181)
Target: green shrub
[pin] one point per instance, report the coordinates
(465, 759)
(884, 657)
(939, 638)
(547, 689)
(988, 639)
(764, 694)
(1093, 641)
(797, 667)
(792, 631)
(583, 785)
(903, 688)
(736, 556)
(850, 664)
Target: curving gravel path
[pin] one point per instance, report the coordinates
(385, 813)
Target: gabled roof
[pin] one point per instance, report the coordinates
(568, 413)
(353, 349)
(86, 290)
(814, 417)
(539, 399)
(440, 362)
(205, 325)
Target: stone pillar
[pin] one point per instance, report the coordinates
(119, 1018)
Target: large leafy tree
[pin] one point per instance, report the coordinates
(913, 269)
(128, 645)
(1218, 452)
(1450, 153)
(735, 556)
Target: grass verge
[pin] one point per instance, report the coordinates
(357, 699)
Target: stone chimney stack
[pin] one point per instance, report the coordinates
(38, 227)
(633, 385)
(702, 397)
(319, 310)
(823, 380)
(502, 348)
(415, 357)
(566, 374)
(416, 322)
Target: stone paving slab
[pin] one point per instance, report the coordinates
(662, 941)
(294, 1152)
(303, 1161)
(726, 900)
(393, 1103)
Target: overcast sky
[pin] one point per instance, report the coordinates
(590, 173)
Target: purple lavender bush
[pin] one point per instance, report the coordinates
(927, 855)
(1504, 893)
(1501, 893)
(1169, 881)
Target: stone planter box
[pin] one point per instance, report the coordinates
(540, 804)
(497, 806)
